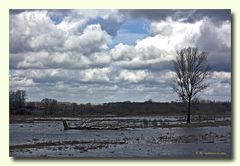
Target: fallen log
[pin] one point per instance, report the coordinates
(81, 127)
(66, 127)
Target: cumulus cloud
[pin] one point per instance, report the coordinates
(33, 31)
(37, 42)
(82, 51)
(216, 41)
(96, 74)
(18, 82)
(75, 20)
(56, 75)
(140, 56)
(123, 52)
(133, 76)
(64, 60)
(93, 39)
(221, 75)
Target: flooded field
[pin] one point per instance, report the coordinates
(154, 136)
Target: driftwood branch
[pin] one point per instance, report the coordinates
(81, 126)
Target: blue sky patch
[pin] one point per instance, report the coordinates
(136, 26)
(130, 31)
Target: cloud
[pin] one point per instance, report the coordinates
(122, 52)
(93, 39)
(137, 85)
(133, 76)
(216, 41)
(33, 31)
(156, 52)
(64, 60)
(172, 35)
(220, 78)
(63, 44)
(107, 55)
(96, 75)
(36, 31)
(56, 75)
(110, 20)
(83, 51)
(25, 82)
(140, 57)
(182, 15)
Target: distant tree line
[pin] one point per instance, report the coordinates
(49, 107)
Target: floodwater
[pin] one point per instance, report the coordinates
(49, 139)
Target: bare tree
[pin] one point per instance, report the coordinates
(191, 69)
(17, 99)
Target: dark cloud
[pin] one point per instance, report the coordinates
(152, 14)
(51, 11)
(220, 67)
(216, 41)
(110, 26)
(187, 15)
(228, 81)
(151, 66)
(216, 15)
(17, 11)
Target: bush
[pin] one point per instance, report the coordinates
(21, 112)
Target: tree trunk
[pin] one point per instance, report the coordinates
(189, 109)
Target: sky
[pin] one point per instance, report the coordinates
(100, 56)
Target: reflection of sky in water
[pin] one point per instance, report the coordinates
(144, 142)
(53, 131)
